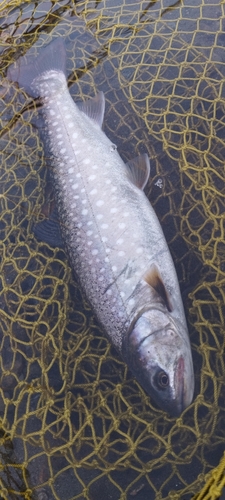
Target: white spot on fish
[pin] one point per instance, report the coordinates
(74, 186)
(104, 226)
(122, 294)
(102, 270)
(87, 161)
(99, 216)
(114, 269)
(84, 140)
(104, 239)
(122, 225)
(84, 212)
(89, 233)
(71, 170)
(78, 175)
(70, 125)
(139, 250)
(58, 136)
(119, 241)
(94, 252)
(99, 203)
(108, 181)
(121, 253)
(131, 302)
(109, 292)
(90, 243)
(113, 189)
(74, 135)
(73, 205)
(93, 191)
(60, 143)
(106, 259)
(52, 113)
(89, 223)
(91, 177)
(107, 250)
(94, 167)
(101, 278)
(84, 202)
(63, 150)
(55, 124)
(126, 214)
(113, 210)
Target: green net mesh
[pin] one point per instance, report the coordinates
(74, 422)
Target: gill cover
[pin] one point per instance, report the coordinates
(157, 349)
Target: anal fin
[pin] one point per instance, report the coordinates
(94, 108)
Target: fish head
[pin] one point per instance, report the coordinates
(158, 352)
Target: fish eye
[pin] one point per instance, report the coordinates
(162, 380)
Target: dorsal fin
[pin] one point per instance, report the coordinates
(139, 170)
(154, 279)
(94, 108)
(48, 230)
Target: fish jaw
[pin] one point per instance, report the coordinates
(159, 356)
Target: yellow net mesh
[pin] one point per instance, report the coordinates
(74, 423)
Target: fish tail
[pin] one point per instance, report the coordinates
(35, 75)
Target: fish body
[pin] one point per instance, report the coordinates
(113, 237)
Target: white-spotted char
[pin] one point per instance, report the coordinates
(114, 240)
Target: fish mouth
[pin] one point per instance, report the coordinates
(180, 393)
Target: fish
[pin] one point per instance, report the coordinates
(112, 235)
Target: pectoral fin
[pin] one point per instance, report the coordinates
(154, 279)
(139, 170)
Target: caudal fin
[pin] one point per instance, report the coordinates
(34, 75)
